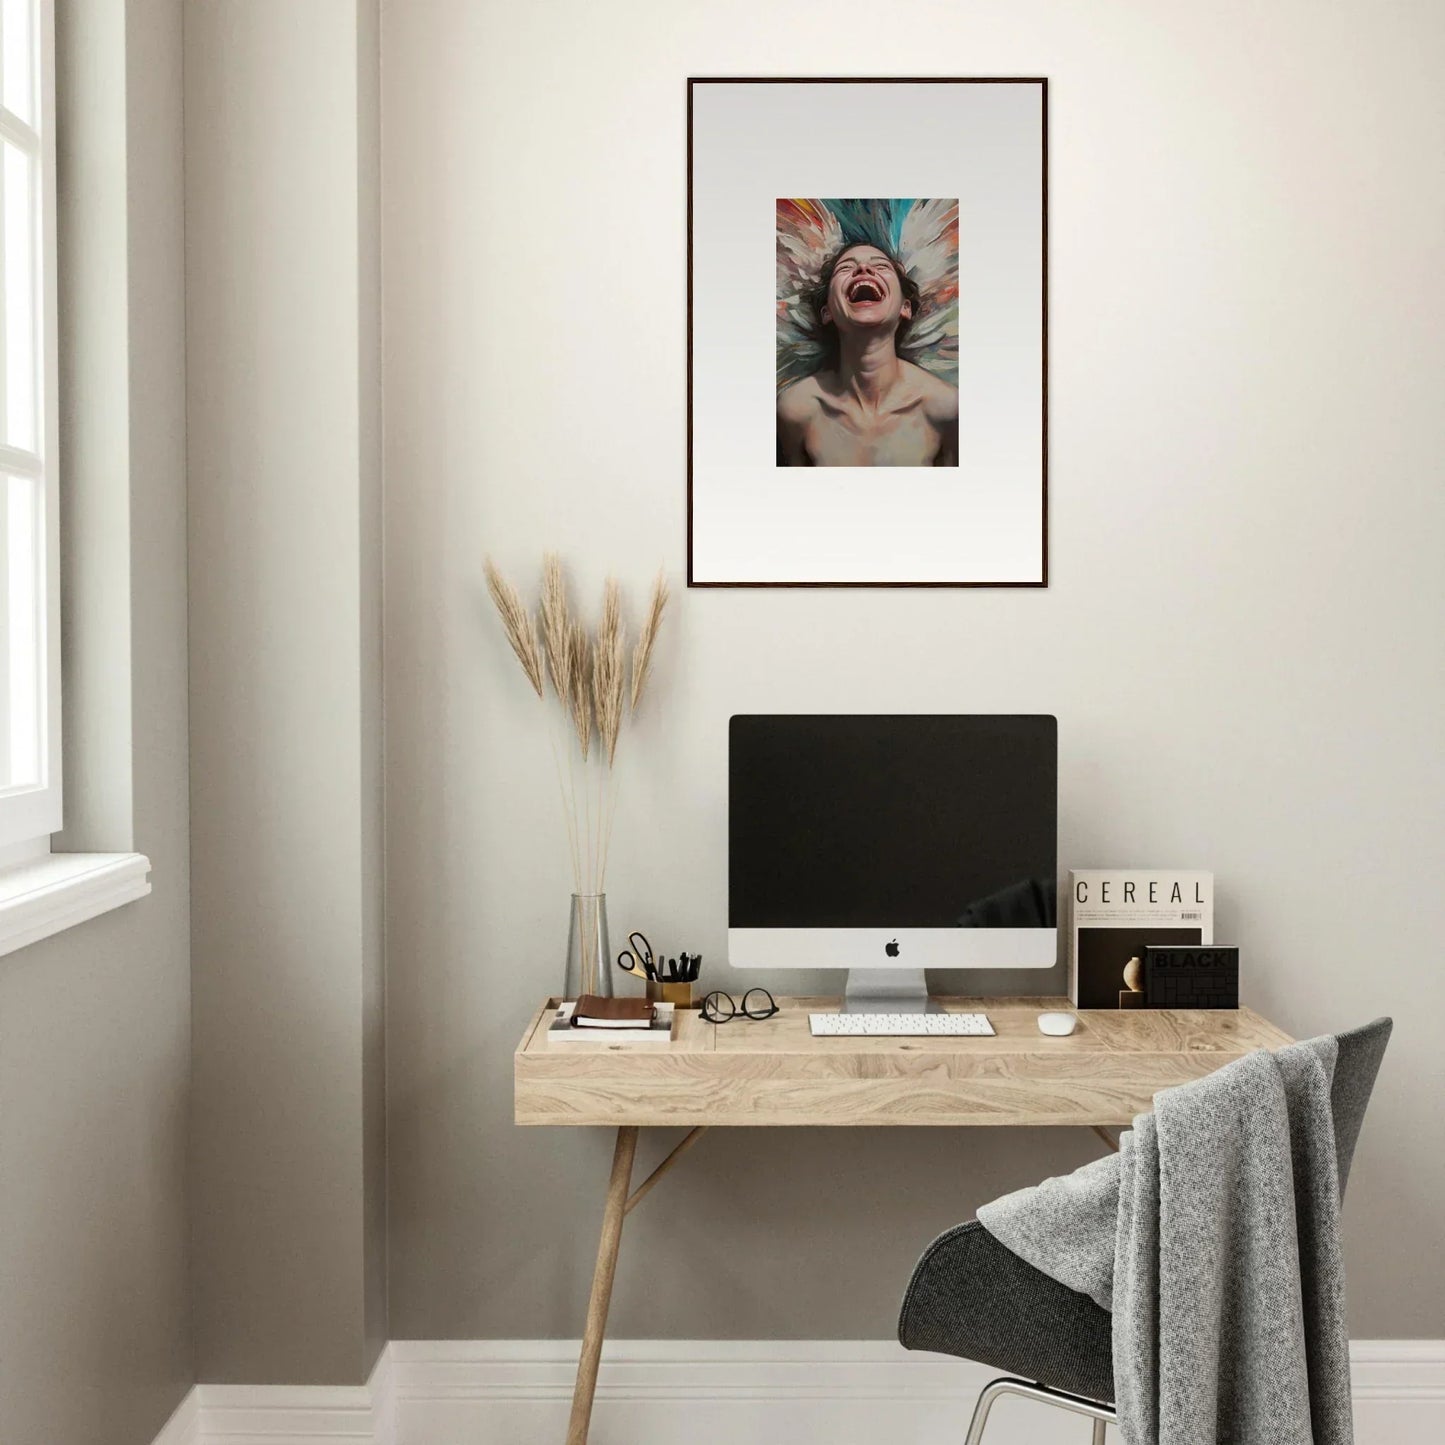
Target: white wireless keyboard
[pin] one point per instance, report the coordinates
(899, 1026)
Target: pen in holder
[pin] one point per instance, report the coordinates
(668, 980)
(674, 978)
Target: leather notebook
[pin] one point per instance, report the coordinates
(594, 1012)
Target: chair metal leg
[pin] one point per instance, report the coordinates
(1100, 1414)
(980, 1411)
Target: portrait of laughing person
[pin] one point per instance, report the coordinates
(867, 406)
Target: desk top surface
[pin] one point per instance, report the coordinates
(773, 1072)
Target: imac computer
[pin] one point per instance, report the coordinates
(887, 845)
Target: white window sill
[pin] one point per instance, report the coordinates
(59, 890)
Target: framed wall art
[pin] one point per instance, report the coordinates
(867, 333)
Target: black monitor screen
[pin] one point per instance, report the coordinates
(892, 822)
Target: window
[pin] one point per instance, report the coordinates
(30, 805)
(41, 892)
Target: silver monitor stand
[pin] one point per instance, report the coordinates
(887, 991)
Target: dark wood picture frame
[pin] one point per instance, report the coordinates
(1042, 82)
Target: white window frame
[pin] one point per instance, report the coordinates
(42, 892)
(30, 814)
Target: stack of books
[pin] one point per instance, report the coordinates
(612, 1021)
(1117, 913)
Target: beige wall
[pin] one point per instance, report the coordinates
(289, 1212)
(1241, 640)
(94, 1023)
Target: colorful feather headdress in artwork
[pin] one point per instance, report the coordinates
(923, 235)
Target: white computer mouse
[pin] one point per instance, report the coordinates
(1057, 1025)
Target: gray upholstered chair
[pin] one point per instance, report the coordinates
(970, 1296)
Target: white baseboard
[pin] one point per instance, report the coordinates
(288, 1414)
(184, 1427)
(714, 1392)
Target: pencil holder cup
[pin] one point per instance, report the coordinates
(679, 994)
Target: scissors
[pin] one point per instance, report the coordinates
(637, 958)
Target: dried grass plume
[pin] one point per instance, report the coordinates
(517, 624)
(579, 685)
(642, 652)
(555, 620)
(589, 676)
(609, 670)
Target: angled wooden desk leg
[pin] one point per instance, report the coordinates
(613, 1213)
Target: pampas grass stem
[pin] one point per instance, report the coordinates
(555, 629)
(651, 625)
(595, 694)
(517, 624)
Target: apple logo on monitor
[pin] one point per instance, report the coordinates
(891, 948)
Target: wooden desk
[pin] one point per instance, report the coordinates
(772, 1072)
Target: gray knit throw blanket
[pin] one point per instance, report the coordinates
(1213, 1236)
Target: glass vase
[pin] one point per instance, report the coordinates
(589, 958)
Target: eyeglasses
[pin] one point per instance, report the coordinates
(718, 1007)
